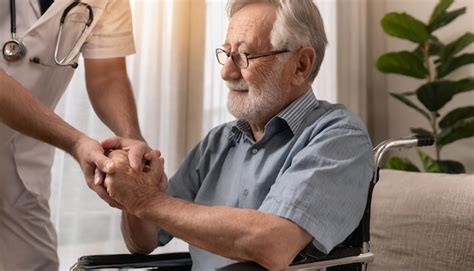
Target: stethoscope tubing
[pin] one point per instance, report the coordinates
(13, 18)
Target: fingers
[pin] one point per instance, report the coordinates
(136, 155)
(100, 190)
(103, 163)
(95, 165)
(146, 167)
(119, 157)
(149, 154)
(136, 150)
(162, 161)
(112, 143)
(156, 163)
(163, 184)
(108, 185)
(98, 177)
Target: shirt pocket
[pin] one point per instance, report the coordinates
(52, 41)
(73, 33)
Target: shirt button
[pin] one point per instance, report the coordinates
(246, 192)
(254, 151)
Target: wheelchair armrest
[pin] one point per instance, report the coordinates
(182, 261)
(168, 262)
(360, 258)
(311, 258)
(311, 254)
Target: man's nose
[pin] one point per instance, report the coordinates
(230, 71)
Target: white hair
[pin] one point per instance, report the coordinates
(298, 24)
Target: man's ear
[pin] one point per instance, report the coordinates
(306, 59)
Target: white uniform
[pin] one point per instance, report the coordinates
(27, 237)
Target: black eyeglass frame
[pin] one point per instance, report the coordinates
(246, 56)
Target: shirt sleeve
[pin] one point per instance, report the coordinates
(112, 36)
(324, 188)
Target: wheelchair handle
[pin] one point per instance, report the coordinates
(425, 140)
(402, 143)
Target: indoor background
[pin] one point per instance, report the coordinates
(180, 96)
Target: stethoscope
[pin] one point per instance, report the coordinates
(14, 50)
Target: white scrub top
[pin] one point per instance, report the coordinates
(110, 35)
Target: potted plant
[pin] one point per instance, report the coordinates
(431, 60)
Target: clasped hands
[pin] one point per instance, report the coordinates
(128, 177)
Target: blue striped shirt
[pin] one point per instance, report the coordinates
(312, 166)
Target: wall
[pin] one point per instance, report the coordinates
(388, 117)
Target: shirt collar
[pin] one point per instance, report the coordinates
(239, 128)
(293, 115)
(296, 112)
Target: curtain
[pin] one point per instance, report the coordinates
(352, 56)
(179, 95)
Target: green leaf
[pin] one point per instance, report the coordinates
(409, 103)
(464, 85)
(429, 164)
(451, 167)
(420, 131)
(437, 94)
(404, 62)
(456, 115)
(456, 46)
(462, 129)
(408, 93)
(445, 19)
(440, 9)
(441, 166)
(398, 163)
(453, 64)
(404, 26)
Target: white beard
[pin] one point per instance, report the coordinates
(257, 103)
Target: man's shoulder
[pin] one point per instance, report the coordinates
(219, 134)
(330, 116)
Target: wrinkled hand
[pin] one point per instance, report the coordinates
(136, 150)
(131, 188)
(90, 155)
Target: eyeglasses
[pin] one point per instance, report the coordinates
(241, 60)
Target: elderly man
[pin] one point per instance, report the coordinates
(289, 171)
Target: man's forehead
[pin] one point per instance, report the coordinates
(244, 25)
(251, 25)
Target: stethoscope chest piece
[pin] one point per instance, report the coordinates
(13, 50)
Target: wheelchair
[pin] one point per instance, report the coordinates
(351, 255)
